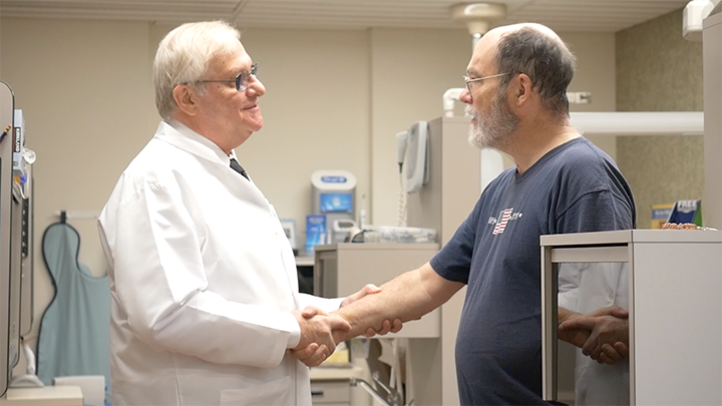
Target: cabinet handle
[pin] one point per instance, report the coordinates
(316, 392)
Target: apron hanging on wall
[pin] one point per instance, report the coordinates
(74, 330)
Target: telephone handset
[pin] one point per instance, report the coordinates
(413, 145)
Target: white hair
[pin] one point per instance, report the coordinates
(183, 56)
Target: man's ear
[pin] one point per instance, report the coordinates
(522, 89)
(186, 98)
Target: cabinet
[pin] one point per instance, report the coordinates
(331, 387)
(328, 392)
(45, 396)
(675, 309)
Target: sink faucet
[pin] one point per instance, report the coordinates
(393, 397)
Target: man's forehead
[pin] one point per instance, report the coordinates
(482, 60)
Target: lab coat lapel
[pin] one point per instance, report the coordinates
(216, 161)
(189, 141)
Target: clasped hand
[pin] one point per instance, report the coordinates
(318, 345)
(602, 334)
(317, 335)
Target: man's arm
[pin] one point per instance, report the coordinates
(608, 333)
(576, 337)
(409, 296)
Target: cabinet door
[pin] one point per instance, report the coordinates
(330, 393)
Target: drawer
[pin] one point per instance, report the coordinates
(323, 392)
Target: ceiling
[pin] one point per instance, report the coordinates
(560, 15)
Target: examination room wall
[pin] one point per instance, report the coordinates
(658, 70)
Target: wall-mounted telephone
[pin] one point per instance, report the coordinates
(413, 146)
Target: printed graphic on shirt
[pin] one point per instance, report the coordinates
(505, 216)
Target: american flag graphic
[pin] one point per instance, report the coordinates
(504, 218)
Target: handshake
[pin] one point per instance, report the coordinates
(603, 334)
(322, 331)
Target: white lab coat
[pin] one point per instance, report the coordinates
(202, 279)
(584, 288)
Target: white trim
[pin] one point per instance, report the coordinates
(639, 123)
(79, 214)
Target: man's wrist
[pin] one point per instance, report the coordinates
(565, 315)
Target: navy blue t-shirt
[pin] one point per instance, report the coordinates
(574, 188)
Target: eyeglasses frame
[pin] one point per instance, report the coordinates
(239, 79)
(468, 80)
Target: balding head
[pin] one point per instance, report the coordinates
(536, 51)
(541, 29)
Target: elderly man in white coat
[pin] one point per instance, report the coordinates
(205, 302)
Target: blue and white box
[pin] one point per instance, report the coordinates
(315, 231)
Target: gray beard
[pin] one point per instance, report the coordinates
(494, 129)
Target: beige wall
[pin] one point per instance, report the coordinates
(411, 70)
(316, 113)
(596, 73)
(84, 88)
(658, 70)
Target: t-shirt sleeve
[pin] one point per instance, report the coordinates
(570, 275)
(599, 210)
(453, 261)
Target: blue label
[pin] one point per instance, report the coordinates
(333, 179)
(315, 231)
(336, 203)
(661, 214)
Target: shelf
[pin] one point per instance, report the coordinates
(305, 261)
(334, 373)
(623, 237)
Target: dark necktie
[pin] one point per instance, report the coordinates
(238, 168)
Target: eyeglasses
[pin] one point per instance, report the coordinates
(468, 81)
(242, 79)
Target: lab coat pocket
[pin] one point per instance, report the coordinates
(277, 392)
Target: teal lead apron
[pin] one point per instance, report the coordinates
(74, 330)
